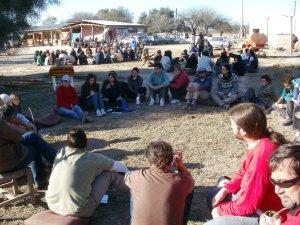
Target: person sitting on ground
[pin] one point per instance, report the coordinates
(89, 53)
(90, 95)
(99, 57)
(245, 56)
(39, 59)
(63, 56)
(184, 55)
(238, 67)
(208, 48)
(191, 63)
(134, 87)
(179, 84)
(117, 55)
(146, 57)
(112, 91)
(227, 88)
(206, 62)
(159, 195)
(19, 149)
(19, 119)
(47, 59)
(193, 49)
(80, 178)
(242, 199)
(82, 58)
(265, 96)
(67, 101)
(252, 62)
(198, 90)
(35, 55)
(166, 61)
(222, 60)
(287, 93)
(157, 58)
(158, 82)
(285, 176)
(15, 102)
(73, 57)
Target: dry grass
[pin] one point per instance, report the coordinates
(203, 135)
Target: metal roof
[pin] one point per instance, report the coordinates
(44, 27)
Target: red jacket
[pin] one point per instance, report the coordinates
(252, 184)
(66, 97)
(180, 80)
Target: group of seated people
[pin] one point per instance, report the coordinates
(266, 189)
(104, 53)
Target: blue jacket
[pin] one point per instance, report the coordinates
(205, 84)
(158, 79)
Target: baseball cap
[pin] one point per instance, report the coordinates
(66, 78)
(5, 98)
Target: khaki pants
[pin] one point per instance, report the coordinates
(224, 101)
(198, 95)
(99, 187)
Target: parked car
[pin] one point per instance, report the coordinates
(220, 42)
(127, 40)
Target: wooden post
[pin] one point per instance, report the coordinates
(33, 39)
(42, 37)
(81, 31)
(291, 34)
(51, 34)
(92, 32)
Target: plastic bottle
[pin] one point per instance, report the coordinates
(138, 102)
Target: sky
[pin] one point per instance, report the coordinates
(254, 10)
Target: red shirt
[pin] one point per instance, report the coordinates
(180, 80)
(252, 184)
(289, 219)
(66, 97)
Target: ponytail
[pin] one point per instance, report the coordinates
(276, 137)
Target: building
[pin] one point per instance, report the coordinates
(85, 29)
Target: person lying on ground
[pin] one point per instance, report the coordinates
(266, 95)
(227, 91)
(285, 176)
(80, 178)
(67, 101)
(158, 83)
(134, 87)
(160, 195)
(199, 90)
(250, 193)
(90, 95)
(179, 84)
(19, 150)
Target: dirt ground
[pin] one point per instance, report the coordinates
(204, 135)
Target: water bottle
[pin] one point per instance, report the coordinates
(138, 102)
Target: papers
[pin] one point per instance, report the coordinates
(104, 199)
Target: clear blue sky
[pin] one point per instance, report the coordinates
(254, 10)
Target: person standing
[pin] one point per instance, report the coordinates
(250, 193)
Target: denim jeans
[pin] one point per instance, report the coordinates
(162, 93)
(37, 148)
(250, 96)
(76, 112)
(96, 101)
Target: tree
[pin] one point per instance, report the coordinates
(158, 20)
(119, 14)
(82, 16)
(49, 20)
(15, 15)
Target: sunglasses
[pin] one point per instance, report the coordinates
(285, 183)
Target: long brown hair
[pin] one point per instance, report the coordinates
(253, 121)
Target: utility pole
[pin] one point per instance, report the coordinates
(268, 18)
(242, 28)
(291, 34)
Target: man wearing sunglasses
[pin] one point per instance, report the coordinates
(285, 176)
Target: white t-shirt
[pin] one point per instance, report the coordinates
(205, 62)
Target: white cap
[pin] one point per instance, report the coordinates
(5, 98)
(66, 78)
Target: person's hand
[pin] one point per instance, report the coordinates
(220, 196)
(92, 92)
(263, 221)
(178, 159)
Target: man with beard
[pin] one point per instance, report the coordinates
(242, 199)
(285, 168)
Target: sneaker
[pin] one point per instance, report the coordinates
(162, 102)
(103, 112)
(287, 122)
(175, 101)
(98, 113)
(152, 102)
(84, 118)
